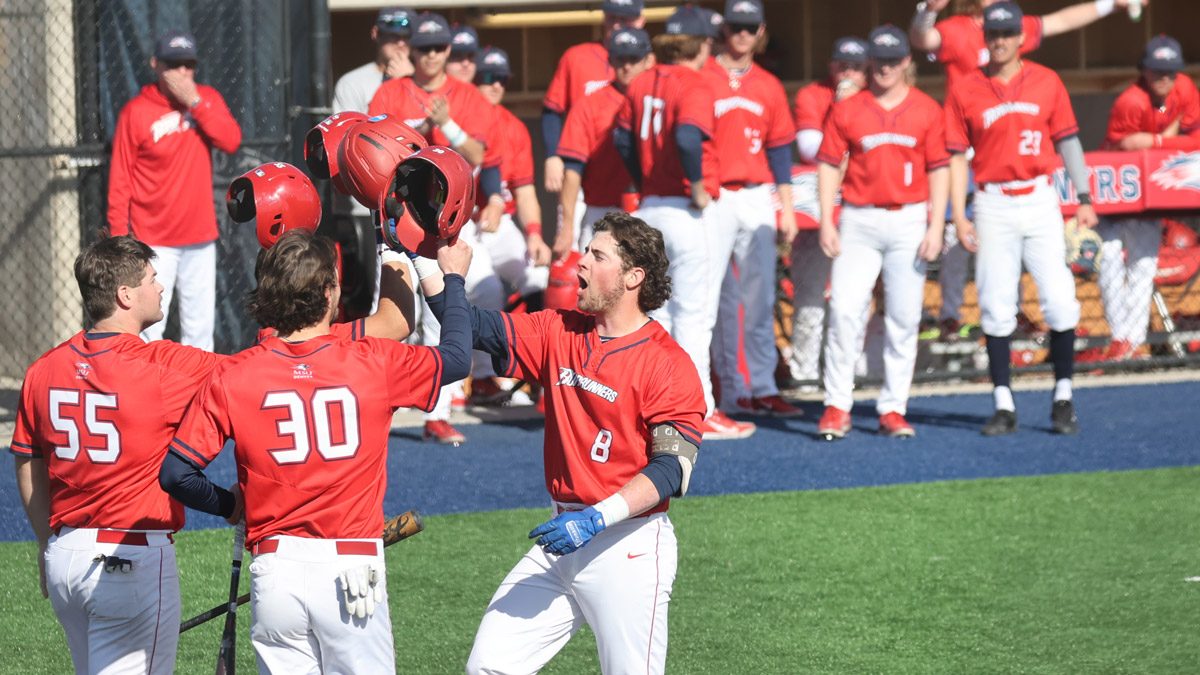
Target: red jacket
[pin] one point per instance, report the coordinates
(160, 187)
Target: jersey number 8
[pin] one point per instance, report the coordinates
(322, 404)
(602, 446)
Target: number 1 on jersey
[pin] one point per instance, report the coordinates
(652, 114)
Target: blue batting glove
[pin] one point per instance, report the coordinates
(568, 531)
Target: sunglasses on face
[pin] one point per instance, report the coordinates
(431, 48)
(1161, 74)
(1000, 34)
(173, 64)
(735, 28)
(492, 78)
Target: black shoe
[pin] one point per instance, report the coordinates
(1062, 418)
(1002, 422)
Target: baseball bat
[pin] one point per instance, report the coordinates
(227, 658)
(397, 528)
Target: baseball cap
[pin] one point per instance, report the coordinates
(1003, 17)
(631, 43)
(463, 40)
(492, 61)
(1163, 54)
(395, 20)
(744, 12)
(176, 45)
(628, 8)
(715, 21)
(688, 20)
(430, 30)
(887, 43)
(850, 49)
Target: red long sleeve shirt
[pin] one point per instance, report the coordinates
(160, 187)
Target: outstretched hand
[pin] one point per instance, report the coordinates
(568, 531)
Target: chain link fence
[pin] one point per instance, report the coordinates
(66, 70)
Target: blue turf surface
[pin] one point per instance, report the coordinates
(1130, 427)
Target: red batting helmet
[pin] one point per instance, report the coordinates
(1178, 235)
(429, 196)
(321, 146)
(562, 291)
(369, 153)
(278, 196)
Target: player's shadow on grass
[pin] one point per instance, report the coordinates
(941, 418)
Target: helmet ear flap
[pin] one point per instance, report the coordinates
(392, 207)
(239, 201)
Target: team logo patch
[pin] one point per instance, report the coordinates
(1166, 54)
(852, 48)
(464, 38)
(887, 40)
(1179, 172)
(173, 122)
(495, 59)
(593, 86)
(429, 27)
(623, 3)
(570, 378)
(744, 6)
(625, 39)
(83, 370)
(999, 14)
(181, 42)
(302, 371)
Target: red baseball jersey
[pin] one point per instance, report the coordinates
(1134, 112)
(658, 101)
(516, 164)
(602, 398)
(100, 409)
(964, 50)
(582, 70)
(750, 115)
(587, 138)
(404, 98)
(812, 105)
(351, 329)
(310, 421)
(891, 151)
(1013, 127)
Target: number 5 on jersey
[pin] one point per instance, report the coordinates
(322, 407)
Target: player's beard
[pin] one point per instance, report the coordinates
(600, 301)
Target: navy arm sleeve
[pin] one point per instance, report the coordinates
(779, 159)
(690, 140)
(666, 474)
(189, 486)
(552, 126)
(487, 325)
(457, 328)
(489, 180)
(623, 140)
(573, 165)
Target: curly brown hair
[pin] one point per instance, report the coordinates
(293, 278)
(640, 246)
(104, 267)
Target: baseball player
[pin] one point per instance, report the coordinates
(1160, 110)
(96, 413)
(958, 43)
(664, 134)
(753, 135)
(591, 161)
(809, 264)
(310, 414)
(623, 414)
(464, 46)
(1015, 114)
(583, 69)
(892, 137)
(391, 33)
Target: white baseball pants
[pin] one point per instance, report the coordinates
(193, 270)
(298, 622)
(875, 241)
(619, 584)
(686, 316)
(1022, 229)
(116, 621)
(810, 277)
(1128, 263)
(751, 214)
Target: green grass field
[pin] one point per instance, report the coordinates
(1081, 573)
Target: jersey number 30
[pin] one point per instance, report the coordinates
(323, 404)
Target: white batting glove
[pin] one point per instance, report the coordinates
(362, 590)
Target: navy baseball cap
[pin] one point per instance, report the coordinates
(850, 50)
(492, 61)
(627, 8)
(176, 45)
(1003, 17)
(887, 43)
(688, 20)
(631, 43)
(744, 12)
(430, 30)
(395, 20)
(715, 21)
(1163, 54)
(463, 40)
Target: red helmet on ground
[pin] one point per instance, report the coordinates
(562, 291)
(1178, 235)
(430, 196)
(278, 196)
(368, 155)
(322, 142)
